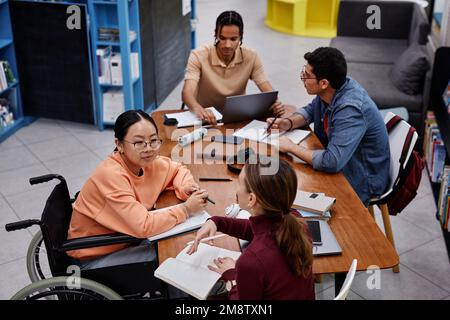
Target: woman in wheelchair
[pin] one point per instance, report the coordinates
(120, 192)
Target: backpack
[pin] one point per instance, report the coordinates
(408, 180)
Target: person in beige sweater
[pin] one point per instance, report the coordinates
(120, 192)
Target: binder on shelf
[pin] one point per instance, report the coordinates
(134, 57)
(3, 80)
(116, 69)
(103, 64)
(113, 105)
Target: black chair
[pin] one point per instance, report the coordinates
(134, 280)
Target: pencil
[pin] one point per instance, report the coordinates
(270, 126)
(214, 179)
(208, 199)
(208, 238)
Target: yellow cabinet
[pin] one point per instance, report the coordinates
(310, 18)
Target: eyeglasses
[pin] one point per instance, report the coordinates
(303, 75)
(142, 145)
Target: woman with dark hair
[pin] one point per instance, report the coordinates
(223, 69)
(277, 264)
(120, 192)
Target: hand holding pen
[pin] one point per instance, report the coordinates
(266, 134)
(197, 202)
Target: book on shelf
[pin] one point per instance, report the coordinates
(134, 57)
(116, 69)
(433, 148)
(113, 104)
(3, 79)
(103, 63)
(190, 273)
(112, 34)
(6, 115)
(317, 203)
(446, 96)
(444, 198)
(256, 131)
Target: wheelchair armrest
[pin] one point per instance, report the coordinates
(98, 241)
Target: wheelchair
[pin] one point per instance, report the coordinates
(51, 270)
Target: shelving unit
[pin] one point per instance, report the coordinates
(440, 78)
(123, 15)
(12, 92)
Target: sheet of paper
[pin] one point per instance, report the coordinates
(256, 131)
(205, 255)
(190, 224)
(188, 118)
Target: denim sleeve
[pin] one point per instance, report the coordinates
(348, 129)
(307, 113)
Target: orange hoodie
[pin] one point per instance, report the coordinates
(115, 200)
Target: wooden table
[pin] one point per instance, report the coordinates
(354, 228)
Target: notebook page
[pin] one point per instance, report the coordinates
(205, 255)
(188, 118)
(256, 131)
(190, 224)
(194, 280)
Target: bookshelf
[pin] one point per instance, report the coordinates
(12, 92)
(122, 15)
(439, 80)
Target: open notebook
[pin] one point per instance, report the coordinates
(256, 131)
(190, 273)
(189, 119)
(190, 224)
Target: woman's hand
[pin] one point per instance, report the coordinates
(208, 229)
(196, 202)
(190, 189)
(223, 264)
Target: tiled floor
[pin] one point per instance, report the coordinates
(74, 150)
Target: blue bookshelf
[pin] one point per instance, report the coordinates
(12, 92)
(122, 15)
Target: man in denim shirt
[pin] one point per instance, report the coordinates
(346, 121)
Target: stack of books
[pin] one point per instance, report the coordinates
(444, 198)
(6, 75)
(112, 34)
(313, 205)
(109, 65)
(434, 148)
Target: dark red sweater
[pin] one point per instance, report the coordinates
(262, 272)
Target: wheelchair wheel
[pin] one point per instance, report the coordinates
(37, 261)
(57, 289)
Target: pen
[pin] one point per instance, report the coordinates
(214, 179)
(208, 238)
(208, 199)
(270, 126)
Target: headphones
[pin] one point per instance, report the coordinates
(232, 210)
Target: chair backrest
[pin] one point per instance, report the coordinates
(55, 222)
(348, 281)
(397, 138)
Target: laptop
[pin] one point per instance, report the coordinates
(248, 107)
(329, 245)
